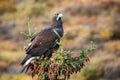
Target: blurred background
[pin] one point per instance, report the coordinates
(84, 21)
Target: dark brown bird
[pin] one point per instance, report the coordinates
(45, 42)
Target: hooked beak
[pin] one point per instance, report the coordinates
(59, 16)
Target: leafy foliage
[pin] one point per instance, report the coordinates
(30, 35)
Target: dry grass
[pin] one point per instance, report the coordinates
(112, 46)
(10, 51)
(76, 36)
(11, 56)
(16, 77)
(9, 45)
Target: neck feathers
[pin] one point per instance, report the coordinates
(57, 24)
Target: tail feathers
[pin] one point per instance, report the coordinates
(25, 59)
(23, 69)
(26, 62)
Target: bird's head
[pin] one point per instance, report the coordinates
(57, 16)
(57, 19)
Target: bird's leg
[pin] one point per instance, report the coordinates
(48, 54)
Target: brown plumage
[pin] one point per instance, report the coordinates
(45, 42)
